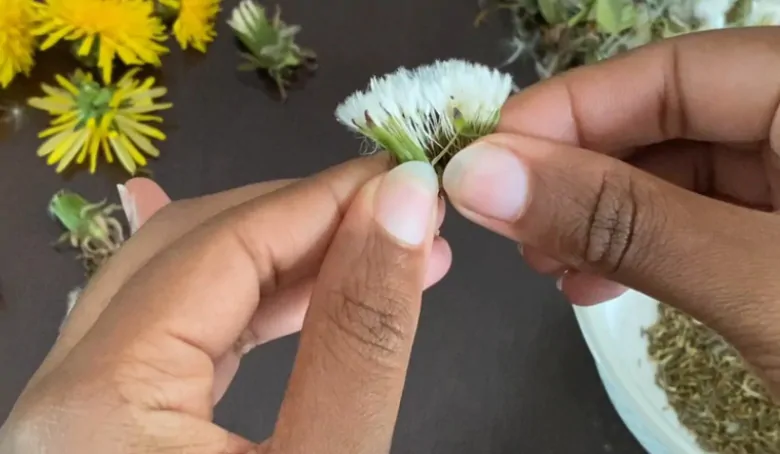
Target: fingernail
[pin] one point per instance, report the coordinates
(489, 181)
(405, 201)
(128, 205)
(520, 249)
(559, 283)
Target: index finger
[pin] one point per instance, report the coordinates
(711, 86)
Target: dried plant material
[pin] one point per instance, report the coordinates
(710, 388)
(270, 44)
(428, 113)
(561, 34)
(90, 228)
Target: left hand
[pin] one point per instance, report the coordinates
(157, 336)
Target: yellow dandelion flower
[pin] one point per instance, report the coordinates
(106, 29)
(17, 43)
(194, 22)
(91, 117)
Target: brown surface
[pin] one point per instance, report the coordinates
(499, 365)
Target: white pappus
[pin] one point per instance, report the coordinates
(413, 113)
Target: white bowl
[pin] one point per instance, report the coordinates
(613, 332)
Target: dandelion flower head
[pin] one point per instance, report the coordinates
(194, 23)
(91, 117)
(128, 29)
(17, 43)
(430, 112)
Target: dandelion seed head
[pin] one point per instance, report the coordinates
(418, 106)
(712, 13)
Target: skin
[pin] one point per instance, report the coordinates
(656, 170)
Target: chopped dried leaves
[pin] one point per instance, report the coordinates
(708, 385)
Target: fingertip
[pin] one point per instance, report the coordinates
(583, 289)
(439, 262)
(405, 201)
(141, 199)
(488, 179)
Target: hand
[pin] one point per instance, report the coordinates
(676, 198)
(158, 333)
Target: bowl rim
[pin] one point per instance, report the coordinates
(608, 365)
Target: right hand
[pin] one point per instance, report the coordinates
(677, 198)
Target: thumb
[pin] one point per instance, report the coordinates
(600, 215)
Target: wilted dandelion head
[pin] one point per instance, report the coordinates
(430, 112)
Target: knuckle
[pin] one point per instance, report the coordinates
(372, 308)
(374, 321)
(608, 235)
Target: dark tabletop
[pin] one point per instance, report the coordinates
(499, 365)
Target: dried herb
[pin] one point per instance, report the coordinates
(711, 389)
(561, 34)
(89, 227)
(270, 44)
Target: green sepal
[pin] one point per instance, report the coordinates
(614, 16)
(66, 207)
(551, 11)
(396, 143)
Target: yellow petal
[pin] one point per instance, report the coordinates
(84, 148)
(145, 53)
(147, 108)
(57, 129)
(107, 150)
(143, 129)
(148, 83)
(142, 142)
(64, 147)
(54, 37)
(93, 136)
(58, 93)
(44, 29)
(122, 155)
(66, 117)
(86, 45)
(93, 152)
(105, 122)
(148, 94)
(49, 146)
(134, 153)
(7, 74)
(50, 106)
(73, 151)
(146, 118)
(66, 84)
(127, 56)
(106, 60)
(128, 77)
